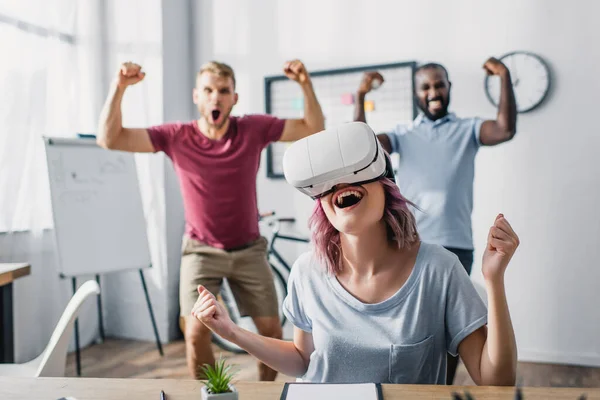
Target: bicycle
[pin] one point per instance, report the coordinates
(281, 270)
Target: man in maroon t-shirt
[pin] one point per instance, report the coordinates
(216, 159)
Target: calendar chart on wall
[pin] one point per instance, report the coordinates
(385, 107)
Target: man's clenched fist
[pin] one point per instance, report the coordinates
(129, 74)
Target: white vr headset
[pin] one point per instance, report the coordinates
(350, 153)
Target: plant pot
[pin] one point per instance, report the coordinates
(233, 395)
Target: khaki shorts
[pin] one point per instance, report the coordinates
(247, 271)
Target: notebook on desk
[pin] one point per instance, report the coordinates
(328, 391)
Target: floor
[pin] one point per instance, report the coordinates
(117, 358)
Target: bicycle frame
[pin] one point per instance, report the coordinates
(276, 254)
(274, 224)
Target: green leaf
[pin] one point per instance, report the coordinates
(218, 377)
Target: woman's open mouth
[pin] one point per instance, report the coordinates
(347, 198)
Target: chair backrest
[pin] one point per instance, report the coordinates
(54, 357)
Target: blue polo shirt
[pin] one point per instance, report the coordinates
(436, 172)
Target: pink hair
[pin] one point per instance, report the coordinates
(400, 223)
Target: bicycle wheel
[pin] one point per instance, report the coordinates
(228, 301)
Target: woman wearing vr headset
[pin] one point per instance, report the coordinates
(371, 302)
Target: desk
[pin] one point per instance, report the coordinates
(149, 389)
(8, 273)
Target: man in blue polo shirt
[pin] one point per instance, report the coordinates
(437, 157)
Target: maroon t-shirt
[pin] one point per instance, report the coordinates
(218, 177)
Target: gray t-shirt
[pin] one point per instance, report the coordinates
(403, 339)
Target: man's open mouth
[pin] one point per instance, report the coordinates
(215, 115)
(435, 104)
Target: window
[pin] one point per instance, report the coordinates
(58, 57)
(37, 97)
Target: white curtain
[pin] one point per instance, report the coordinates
(37, 97)
(57, 59)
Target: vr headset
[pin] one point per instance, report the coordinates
(350, 153)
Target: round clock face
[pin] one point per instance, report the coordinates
(530, 77)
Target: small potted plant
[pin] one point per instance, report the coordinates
(217, 385)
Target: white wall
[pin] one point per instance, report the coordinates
(545, 180)
(178, 78)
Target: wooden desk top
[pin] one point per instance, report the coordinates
(10, 272)
(149, 389)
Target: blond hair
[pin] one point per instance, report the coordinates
(218, 68)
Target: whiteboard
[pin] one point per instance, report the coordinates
(99, 223)
(389, 105)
